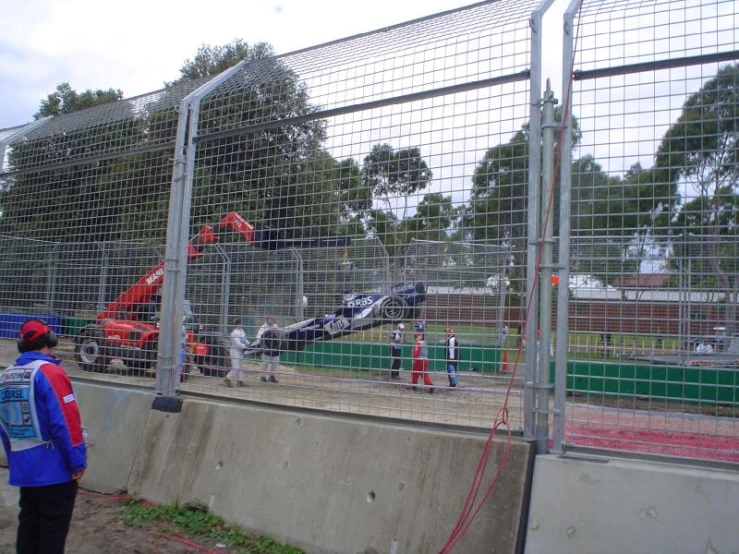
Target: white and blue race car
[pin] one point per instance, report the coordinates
(357, 312)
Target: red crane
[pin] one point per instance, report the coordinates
(127, 328)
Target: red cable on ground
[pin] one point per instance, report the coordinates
(469, 511)
(115, 497)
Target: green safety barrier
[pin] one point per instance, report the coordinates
(368, 356)
(701, 385)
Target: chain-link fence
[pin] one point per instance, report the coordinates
(305, 179)
(463, 278)
(403, 176)
(75, 280)
(349, 142)
(652, 178)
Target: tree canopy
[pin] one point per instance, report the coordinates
(391, 177)
(212, 60)
(66, 100)
(700, 152)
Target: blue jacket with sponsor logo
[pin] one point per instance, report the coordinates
(40, 422)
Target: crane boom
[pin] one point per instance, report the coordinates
(130, 302)
(141, 293)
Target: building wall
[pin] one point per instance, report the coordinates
(592, 316)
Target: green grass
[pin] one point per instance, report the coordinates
(199, 526)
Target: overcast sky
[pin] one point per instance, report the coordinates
(137, 45)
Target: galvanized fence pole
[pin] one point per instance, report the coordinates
(565, 209)
(534, 200)
(223, 313)
(543, 340)
(165, 384)
(175, 265)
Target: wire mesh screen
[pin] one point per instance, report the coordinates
(69, 279)
(25, 270)
(345, 154)
(315, 175)
(330, 273)
(235, 280)
(653, 311)
(8, 132)
(466, 281)
(93, 188)
(85, 277)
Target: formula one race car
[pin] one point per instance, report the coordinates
(357, 313)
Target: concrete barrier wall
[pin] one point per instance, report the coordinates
(339, 485)
(321, 482)
(329, 484)
(601, 505)
(115, 420)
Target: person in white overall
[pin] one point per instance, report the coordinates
(238, 344)
(270, 354)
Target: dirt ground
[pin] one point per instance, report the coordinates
(95, 529)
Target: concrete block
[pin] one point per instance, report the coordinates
(603, 505)
(331, 484)
(115, 419)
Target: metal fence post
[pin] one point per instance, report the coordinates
(175, 265)
(565, 209)
(225, 290)
(532, 235)
(543, 341)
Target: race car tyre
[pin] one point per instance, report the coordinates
(217, 363)
(274, 341)
(90, 350)
(393, 309)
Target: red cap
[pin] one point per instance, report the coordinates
(32, 330)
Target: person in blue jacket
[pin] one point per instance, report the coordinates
(41, 430)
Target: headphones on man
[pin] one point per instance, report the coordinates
(34, 335)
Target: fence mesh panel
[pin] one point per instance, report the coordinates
(653, 302)
(469, 282)
(342, 157)
(387, 180)
(25, 273)
(380, 139)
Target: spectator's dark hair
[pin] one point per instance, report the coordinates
(237, 321)
(34, 335)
